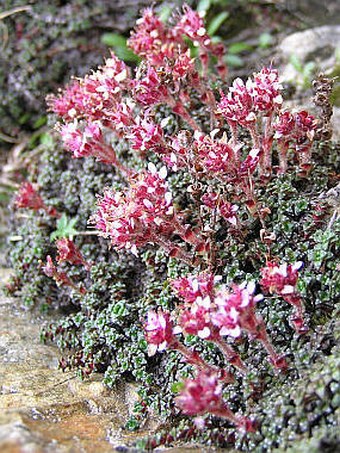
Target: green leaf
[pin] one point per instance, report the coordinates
(113, 40)
(46, 139)
(238, 47)
(296, 63)
(65, 228)
(41, 121)
(176, 387)
(203, 5)
(216, 22)
(265, 40)
(165, 13)
(234, 61)
(118, 43)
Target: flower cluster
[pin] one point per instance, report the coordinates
(28, 198)
(295, 130)
(159, 332)
(244, 101)
(152, 40)
(282, 280)
(144, 214)
(222, 167)
(69, 252)
(87, 142)
(96, 96)
(203, 395)
(146, 135)
(195, 287)
(224, 312)
(60, 277)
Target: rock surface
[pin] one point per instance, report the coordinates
(43, 409)
(319, 46)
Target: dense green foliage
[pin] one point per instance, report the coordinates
(43, 44)
(102, 331)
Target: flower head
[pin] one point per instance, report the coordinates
(214, 156)
(87, 140)
(193, 288)
(150, 89)
(152, 39)
(280, 278)
(196, 320)
(237, 106)
(69, 104)
(94, 97)
(295, 128)
(236, 310)
(158, 331)
(69, 252)
(138, 216)
(146, 135)
(191, 24)
(28, 197)
(266, 91)
(200, 395)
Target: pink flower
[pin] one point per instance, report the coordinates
(69, 252)
(184, 69)
(28, 197)
(192, 287)
(151, 89)
(237, 106)
(60, 277)
(69, 104)
(94, 97)
(121, 116)
(266, 91)
(224, 208)
(226, 319)
(146, 135)
(245, 101)
(158, 331)
(296, 128)
(228, 211)
(191, 24)
(141, 215)
(49, 269)
(203, 395)
(236, 310)
(200, 395)
(85, 141)
(152, 39)
(196, 320)
(214, 156)
(280, 279)
(296, 131)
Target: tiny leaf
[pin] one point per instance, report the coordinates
(216, 22)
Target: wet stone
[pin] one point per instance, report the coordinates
(45, 410)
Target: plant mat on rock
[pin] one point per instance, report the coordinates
(101, 330)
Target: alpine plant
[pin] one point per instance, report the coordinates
(245, 139)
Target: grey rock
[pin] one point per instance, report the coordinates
(319, 45)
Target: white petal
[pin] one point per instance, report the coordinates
(152, 168)
(205, 333)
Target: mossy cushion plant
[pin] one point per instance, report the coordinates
(42, 44)
(189, 238)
